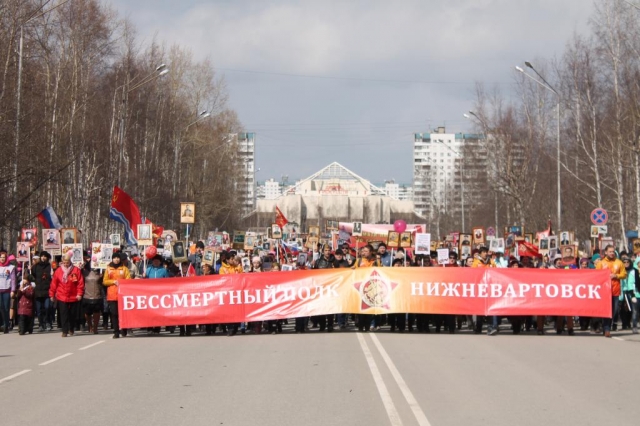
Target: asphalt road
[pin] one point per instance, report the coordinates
(342, 378)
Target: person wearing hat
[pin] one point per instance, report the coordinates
(93, 299)
(114, 272)
(324, 262)
(42, 272)
(155, 269)
(67, 289)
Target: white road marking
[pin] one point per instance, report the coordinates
(56, 359)
(415, 407)
(394, 417)
(13, 376)
(91, 345)
(617, 338)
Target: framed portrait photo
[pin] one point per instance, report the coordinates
(187, 212)
(208, 256)
(23, 252)
(50, 239)
(568, 253)
(115, 239)
(478, 236)
(178, 252)
(29, 235)
(356, 231)
(69, 235)
(314, 232)
(405, 239)
(528, 238)
(276, 232)
(393, 239)
(145, 237)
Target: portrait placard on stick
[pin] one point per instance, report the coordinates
(187, 213)
(443, 256)
(51, 240)
(405, 239)
(145, 237)
(423, 243)
(393, 239)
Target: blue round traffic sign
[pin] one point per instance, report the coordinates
(599, 216)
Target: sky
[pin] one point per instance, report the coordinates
(351, 81)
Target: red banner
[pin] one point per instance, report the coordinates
(277, 295)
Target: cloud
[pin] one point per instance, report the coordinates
(429, 54)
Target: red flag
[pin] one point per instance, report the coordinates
(526, 249)
(124, 210)
(191, 272)
(281, 221)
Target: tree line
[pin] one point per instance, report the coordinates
(90, 107)
(597, 87)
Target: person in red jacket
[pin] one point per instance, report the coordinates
(25, 295)
(67, 289)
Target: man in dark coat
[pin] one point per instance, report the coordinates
(42, 272)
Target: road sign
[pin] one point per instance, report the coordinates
(491, 232)
(599, 216)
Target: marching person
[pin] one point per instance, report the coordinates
(25, 296)
(482, 260)
(41, 273)
(233, 265)
(93, 299)
(385, 256)
(114, 272)
(367, 259)
(617, 272)
(66, 290)
(628, 291)
(7, 289)
(326, 261)
(155, 269)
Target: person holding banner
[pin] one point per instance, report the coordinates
(114, 272)
(617, 273)
(367, 259)
(67, 289)
(482, 260)
(326, 261)
(233, 265)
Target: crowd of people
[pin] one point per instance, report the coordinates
(76, 298)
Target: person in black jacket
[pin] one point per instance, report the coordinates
(42, 272)
(325, 262)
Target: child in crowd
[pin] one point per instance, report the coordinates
(25, 296)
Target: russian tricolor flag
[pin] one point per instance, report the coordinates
(49, 219)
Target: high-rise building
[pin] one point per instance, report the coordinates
(246, 157)
(438, 165)
(398, 191)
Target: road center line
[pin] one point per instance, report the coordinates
(394, 417)
(56, 359)
(13, 376)
(408, 395)
(91, 345)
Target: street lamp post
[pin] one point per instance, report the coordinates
(544, 83)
